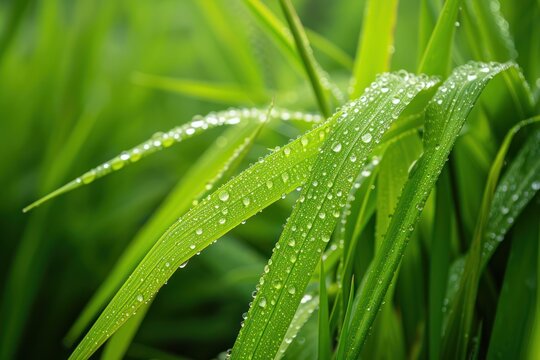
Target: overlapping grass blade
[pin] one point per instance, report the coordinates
(374, 53)
(308, 305)
(200, 178)
(499, 210)
(445, 117)
(161, 141)
(237, 142)
(219, 93)
(510, 336)
(308, 230)
(240, 198)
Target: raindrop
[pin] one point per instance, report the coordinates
(336, 147)
(366, 137)
(223, 195)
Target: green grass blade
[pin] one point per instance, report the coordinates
(496, 217)
(203, 176)
(513, 321)
(445, 117)
(438, 55)
(374, 45)
(443, 233)
(306, 55)
(360, 127)
(219, 93)
(308, 305)
(534, 344)
(158, 142)
(119, 343)
(325, 341)
(344, 334)
(236, 201)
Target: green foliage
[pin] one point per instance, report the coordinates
(402, 223)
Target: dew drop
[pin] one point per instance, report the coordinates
(366, 137)
(291, 290)
(140, 298)
(336, 147)
(199, 231)
(246, 201)
(223, 195)
(262, 302)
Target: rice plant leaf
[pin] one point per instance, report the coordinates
(375, 43)
(438, 54)
(200, 178)
(495, 218)
(513, 321)
(242, 197)
(219, 93)
(325, 341)
(235, 144)
(308, 230)
(308, 305)
(306, 55)
(161, 141)
(445, 117)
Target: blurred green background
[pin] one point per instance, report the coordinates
(68, 101)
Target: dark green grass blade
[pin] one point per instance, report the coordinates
(361, 125)
(306, 55)
(445, 117)
(513, 321)
(374, 45)
(500, 206)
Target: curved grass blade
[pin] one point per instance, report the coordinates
(225, 159)
(161, 141)
(199, 179)
(445, 117)
(516, 189)
(306, 55)
(219, 93)
(361, 125)
(374, 45)
(242, 197)
(513, 321)
(437, 56)
(308, 305)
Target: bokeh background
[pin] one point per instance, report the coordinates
(70, 99)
